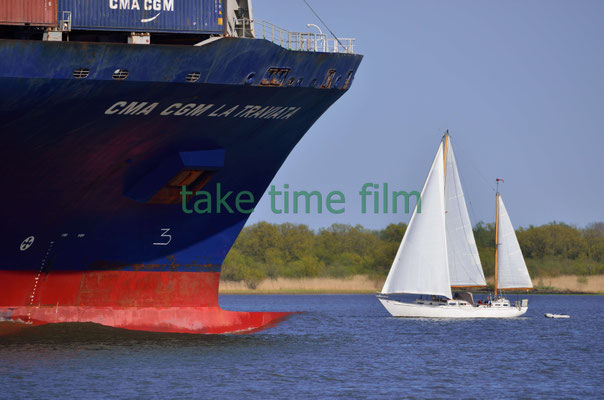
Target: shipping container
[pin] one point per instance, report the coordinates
(28, 12)
(186, 16)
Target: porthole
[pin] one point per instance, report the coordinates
(81, 73)
(249, 79)
(120, 74)
(192, 76)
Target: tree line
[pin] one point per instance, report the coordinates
(266, 250)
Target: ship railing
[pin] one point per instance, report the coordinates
(297, 41)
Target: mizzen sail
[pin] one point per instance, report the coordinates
(512, 272)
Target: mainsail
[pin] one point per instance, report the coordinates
(464, 263)
(421, 264)
(511, 272)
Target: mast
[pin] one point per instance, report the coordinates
(445, 137)
(496, 235)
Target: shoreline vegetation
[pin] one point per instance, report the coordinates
(363, 284)
(292, 258)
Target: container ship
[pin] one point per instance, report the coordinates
(115, 116)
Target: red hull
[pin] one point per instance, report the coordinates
(185, 302)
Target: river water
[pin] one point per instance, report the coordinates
(342, 346)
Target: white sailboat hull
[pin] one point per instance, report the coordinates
(444, 310)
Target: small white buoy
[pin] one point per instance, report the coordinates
(549, 315)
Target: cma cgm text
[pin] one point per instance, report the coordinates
(156, 5)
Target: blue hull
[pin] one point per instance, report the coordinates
(74, 153)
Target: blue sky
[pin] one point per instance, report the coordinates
(519, 85)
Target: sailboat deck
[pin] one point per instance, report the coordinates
(500, 308)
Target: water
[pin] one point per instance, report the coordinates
(344, 346)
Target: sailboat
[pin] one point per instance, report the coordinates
(438, 253)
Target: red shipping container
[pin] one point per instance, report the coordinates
(28, 12)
